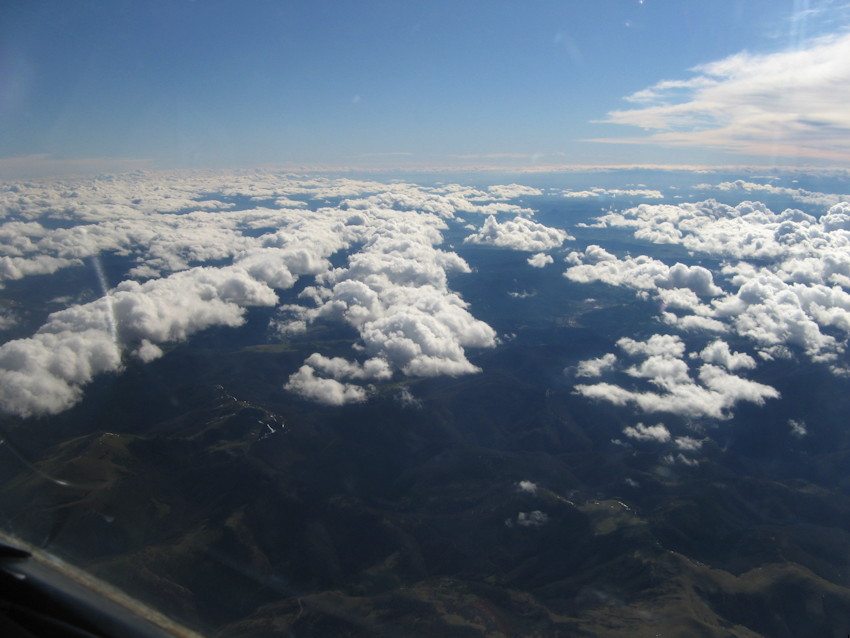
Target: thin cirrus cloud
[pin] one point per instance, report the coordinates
(791, 103)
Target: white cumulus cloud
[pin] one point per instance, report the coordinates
(540, 260)
(519, 233)
(713, 393)
(322, 390)
(796, 296)
(193, 259)
(45, 373)
(596, 367)
(641, 432)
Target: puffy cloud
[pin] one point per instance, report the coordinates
(686, 399)
(732, 388)
(148, 351)
(641, 432)
(206, 259)
(427, 339)
(540, 260)
(694, 278)
(773, 313)
(306, 384)
(693, 323)
(44, 374)
(670, 346)
(688, 444)
(16, 238)
(596, 367)
(747, 230)
(518, 234)
(267, 265)
(683, 299)
(639, 273)
(661, 370)
(837, 218)
(718, 352)
(110, 196)
(419, 332)
(797, 295)
(20, 267)
(712, 394)
(799, 247)
(161, 242)
(342, 368)
(172, 308)
(167, 224)
(444, 201)
(394, 292)
(406, 399)
(527, 486)
(798, 428)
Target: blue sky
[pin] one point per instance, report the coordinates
(387, 83)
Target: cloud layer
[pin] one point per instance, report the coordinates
(394, 292)
(796, 296)
(204, 246)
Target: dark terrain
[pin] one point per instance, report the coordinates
(199, 486)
